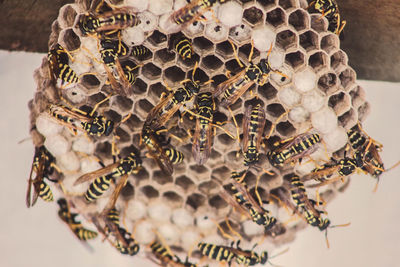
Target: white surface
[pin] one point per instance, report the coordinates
(36, 237)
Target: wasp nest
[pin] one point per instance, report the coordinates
(317, 93)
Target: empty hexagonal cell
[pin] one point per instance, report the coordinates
(202, 44)
(90, 81)
(275, 110)
(309, 40)
(338, 60)
(357, 96)
(143, 107)
(185, 183)
(268, 91)
(157, 38)
(96, 98)
(128, 191)
(318, 24)
(70, 41)
(164, 56)
(245, 51)
(160, 178)
(299, 19)
(221, 173)
(173, 198)
(276, 17)
(233, 66)
(123, 135)
(211, 62)
(285, 128)
(330, 43)
(224, 49)
(67, 16)
(149, 191)
(200, 169)
(199, 75)
(348, 119)
(266, 4)
(142, 175)
(327, 83)
(318, 61)
(155, 91)
(209, 187)
(363, 111)
(286, 39)
(195, 200)
(217, 202)
(133, 122)
(123, 103)
(103, 150)
(253, 15)
(347, 78)
(187, 63)
(295, 59)
(286, 4)
(151, 71)
(339, 102)
(225, 139)
(139, 87)
(174, 74)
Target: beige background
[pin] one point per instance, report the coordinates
(36, 237)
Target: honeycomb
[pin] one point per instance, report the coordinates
(320, 94)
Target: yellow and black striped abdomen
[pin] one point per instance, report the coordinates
(98, 187)
(174, 155)
(45, 192)
(298, 191)
(160, 251)
(219, 253)
(84, 234)
(183, 47)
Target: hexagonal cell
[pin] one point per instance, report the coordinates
(363, 111)
(357, 96)
(123, 135)
(123, 103)
(128, 191)
(140, 87)
(221, 173)
(67, 16)
(348, 118)
(142, 175)
(164, 56)
(327, 83)
(286, 39)
(195, 200)
(173, 198)
(185, 183)
(157, 38)
(174, 74)
(245, 1)
(240, 33)
(339, 102)
(149, 191)
(202, 44)
(224, 49)
(187, 63)
(309, 40)
(318, 24)
(209, 187)
(200, 75)
(151, 71)
(266, 4)
(96, 98)
(299, 20)
(295, 59)
(90, 81)
(276, 17)
(330, 43)
(155, 91)
(286, 4)
(217, 202)
(194, 29)
(70, 41)
(143, 107)
(103, 150)
(216, 32)
(225, 140)
(133, 122)
(160, 178)
(318, 61)
(211, 62)
(268, 91)
(253, 15)
(245, 50)
(275, 110)
(233, 66)
(338, 60)
(285, 128)
(347, 78)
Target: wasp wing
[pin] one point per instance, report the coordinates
(95, 174)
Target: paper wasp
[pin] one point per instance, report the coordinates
(166, 258)
(110, 19)
(233, 88)
(242, 195)
(253, 128)
(140, 51)
(155, 143)
(89, 122)
(184, 47)
(330, 10)
(306, 205)
(43, 166)
(293, 149)
(58, 58)
(228, 253)
(112, 49)
(169, 105)
(193, 11)
(70, 219)
(103, 177)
